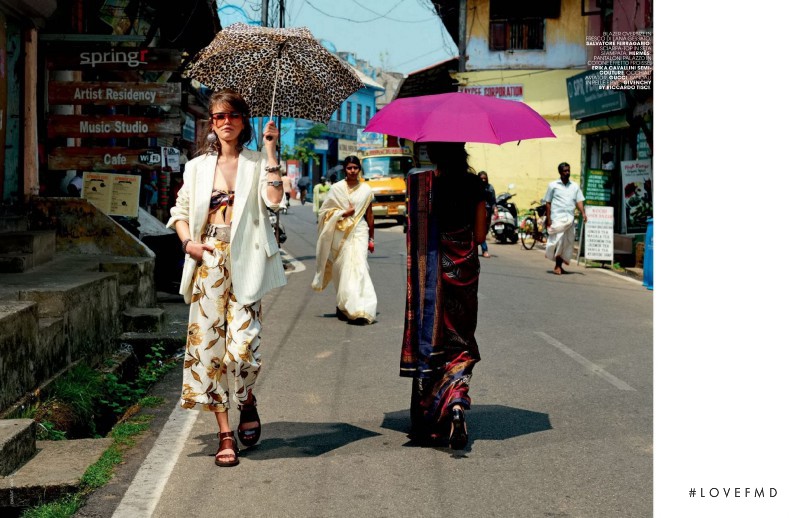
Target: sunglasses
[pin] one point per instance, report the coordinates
(221, 116)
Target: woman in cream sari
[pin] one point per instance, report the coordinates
(346, 233)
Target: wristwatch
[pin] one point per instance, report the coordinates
(275, 183)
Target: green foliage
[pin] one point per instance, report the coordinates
(79, 388)
(99, 473)
(86, 391)
(303, 150)
(63, 508)
(47, 431)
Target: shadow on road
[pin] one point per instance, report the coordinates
(282, 440)
(485, 422)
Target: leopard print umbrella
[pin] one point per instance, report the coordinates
(282, 72)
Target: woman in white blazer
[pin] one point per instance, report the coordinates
(232, 261)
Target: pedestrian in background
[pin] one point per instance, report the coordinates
(561, 199)
(303, 184)
(319, 194)
(446, 222)
(346, 232)
(287, 191)
(224, 276)
(491, 207)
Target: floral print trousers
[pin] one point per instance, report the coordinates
(223, 336)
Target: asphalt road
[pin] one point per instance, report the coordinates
(561, 424)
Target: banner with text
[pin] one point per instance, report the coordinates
(599, 233)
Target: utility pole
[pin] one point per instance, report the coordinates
(282, 10)
(462, 36)
(264, 13)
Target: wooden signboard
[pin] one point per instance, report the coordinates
(102, 158)
(113, 58)
(118, 94)
(113, 194)
(112, 126)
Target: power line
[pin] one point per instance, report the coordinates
(365, 21)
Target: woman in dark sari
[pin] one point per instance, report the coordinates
(447, 220)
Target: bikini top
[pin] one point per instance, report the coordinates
(220, 200)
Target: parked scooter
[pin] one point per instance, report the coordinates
(504, 222)
(275, 221)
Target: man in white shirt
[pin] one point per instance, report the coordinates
(561, 199)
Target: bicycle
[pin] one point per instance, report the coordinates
(532, 228)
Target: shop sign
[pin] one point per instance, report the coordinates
(111, 126)
(637, 192)
(320, 145)
(598, 234)
(114, 93)
(346, 148)
(597, 187)
(102, 158)
(586, 98)
(369, 140)
(113, 59)
(112, 194)
(508, 92)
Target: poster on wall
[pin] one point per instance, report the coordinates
(637, 189)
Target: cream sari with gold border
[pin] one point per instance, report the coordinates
(342, 251)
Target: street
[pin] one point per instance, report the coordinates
(561, 423)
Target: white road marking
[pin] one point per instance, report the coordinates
(298, 266)
(145, 491)
(594, 368)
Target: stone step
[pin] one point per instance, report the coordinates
(19, 354)
(17, 444)
(15, 262)
(54, 471)
(37, 247)
(137, 272)
(13, 223)
(143, 319)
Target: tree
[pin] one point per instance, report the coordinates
(303, 151)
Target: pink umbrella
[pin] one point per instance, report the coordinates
(459, 117)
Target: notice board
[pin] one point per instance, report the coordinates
(599, 233)
(113, 194)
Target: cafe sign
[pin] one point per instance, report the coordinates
(102, 158)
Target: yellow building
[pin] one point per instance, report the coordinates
(531, 164)
(523, 51)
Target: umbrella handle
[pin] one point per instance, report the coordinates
(275, 83)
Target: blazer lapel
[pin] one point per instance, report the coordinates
(244, 183)
(204, 182)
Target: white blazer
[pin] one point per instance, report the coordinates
(256, 264)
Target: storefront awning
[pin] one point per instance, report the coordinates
(600, 124)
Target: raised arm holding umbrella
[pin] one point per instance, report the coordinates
(221, 210)
(447, 220)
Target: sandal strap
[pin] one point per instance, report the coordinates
(227, 436)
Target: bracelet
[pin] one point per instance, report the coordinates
(372, 240)
(184, 243)
(273, 168)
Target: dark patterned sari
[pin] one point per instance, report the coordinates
(439, 347)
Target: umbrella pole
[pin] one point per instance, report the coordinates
(275, 83)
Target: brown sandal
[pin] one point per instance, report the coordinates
(223, 438)
(248, 414)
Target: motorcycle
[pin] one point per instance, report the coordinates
(275, 221)
(504, 222)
